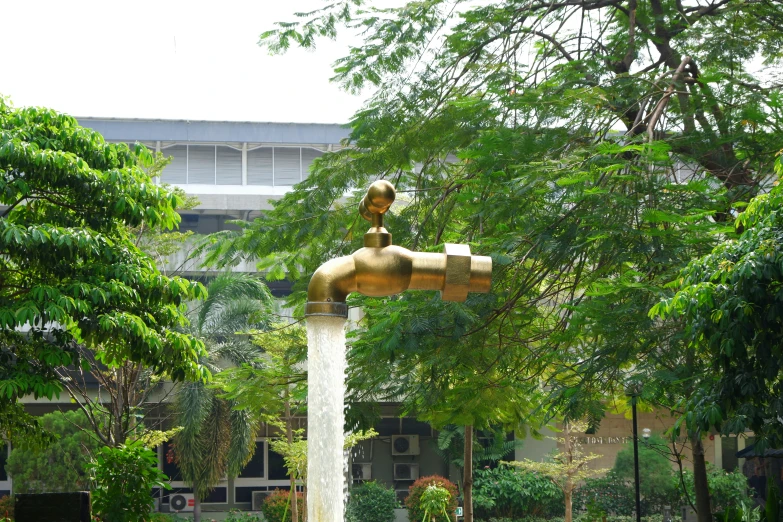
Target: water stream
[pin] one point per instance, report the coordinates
(325, 418)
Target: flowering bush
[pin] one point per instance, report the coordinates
(6, 508)
(417, 489)
(277, 506)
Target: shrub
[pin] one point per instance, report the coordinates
(415, 513)
(6, 508)
(123, 479)
(243, 516)
(727, 488)
(371, 502)
(277, 508)
(609, 494)
(656, 476)
(164, 517)
(509, 492)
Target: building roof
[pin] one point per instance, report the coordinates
(125, 129)
(750, 452)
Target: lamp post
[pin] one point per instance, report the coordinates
(634, 391)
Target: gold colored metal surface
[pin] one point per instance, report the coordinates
(382, 269)
(457, 272)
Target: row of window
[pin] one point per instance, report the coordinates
(222, 165)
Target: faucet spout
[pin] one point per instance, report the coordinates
(382, 269)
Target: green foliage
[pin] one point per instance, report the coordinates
(510, 493)
(123, 478)
(216, 439)
(371, 502)
(657, 484)
(577, 518)
(62, 465)
(414, 499)
(728, 489)
(730, 301)
(772, 505)
(491, 448)
(6, 508)
(70, 267)
(163, 517)
(258, 386)
(551, 145)
(242, 516)
(609, 494)
(434, 501)
(277, 506)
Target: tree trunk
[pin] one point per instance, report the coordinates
(290, 438)
(568, 494)
(304, 501)
(196, 509)
(701, 487)
(119, 432)
(467, 478)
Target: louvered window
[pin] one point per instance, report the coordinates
(259, 166)
(201, 164)
(176, 172)
(229, 166)
(308, 155)
(287, 167)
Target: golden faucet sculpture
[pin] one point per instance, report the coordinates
(382, 269)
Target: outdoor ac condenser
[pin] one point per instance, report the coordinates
(406, 471)
(361, 471)
(181, 502)
(405, 444)
(258, 499)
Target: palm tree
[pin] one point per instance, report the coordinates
(217, 440)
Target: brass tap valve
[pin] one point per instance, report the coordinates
(382, 269)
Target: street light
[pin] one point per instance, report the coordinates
(634, 390)
(646, 434)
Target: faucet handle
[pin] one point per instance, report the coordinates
(377, 201)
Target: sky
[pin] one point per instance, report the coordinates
(168, 59)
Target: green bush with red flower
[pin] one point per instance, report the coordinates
(413, 501)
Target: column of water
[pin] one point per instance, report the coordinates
(325, 418)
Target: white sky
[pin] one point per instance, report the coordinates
(172, 59)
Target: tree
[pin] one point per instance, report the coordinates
(567, 467)
(216, 439)
(62, 466)
(592, 147)
(272, 388)
(72, 274)
(730, 302)
(125, 387)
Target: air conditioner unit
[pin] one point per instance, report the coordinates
(402, 494)
(361, 471)
(405, 444)
(406, 471)
(258, 499)
(181, 502)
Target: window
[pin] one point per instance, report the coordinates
(255, 468)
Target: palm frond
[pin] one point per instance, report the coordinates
(230, 286)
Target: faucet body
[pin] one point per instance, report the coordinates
(382, 269)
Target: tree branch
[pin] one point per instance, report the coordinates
(664, 101)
